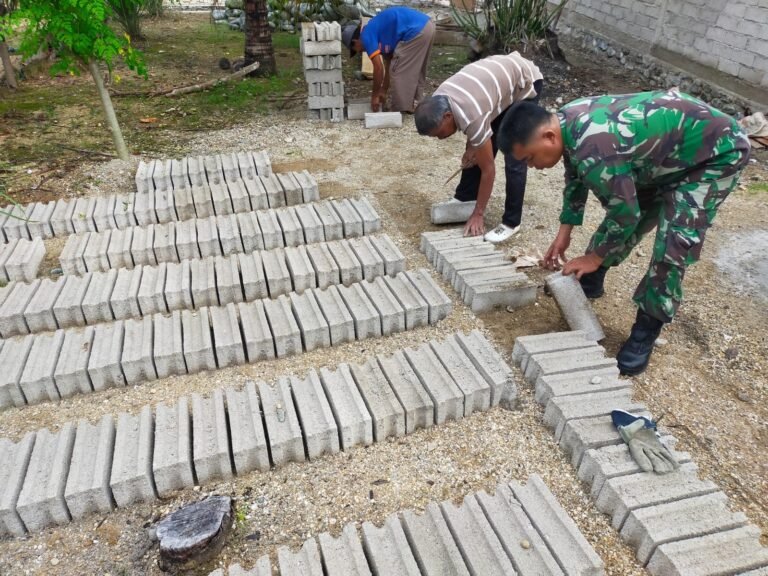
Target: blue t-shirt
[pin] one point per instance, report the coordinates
(393, 25)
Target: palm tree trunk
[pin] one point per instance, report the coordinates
(258, 38)
(10, 72)
(109, 111)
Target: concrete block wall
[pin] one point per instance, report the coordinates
(321, 49)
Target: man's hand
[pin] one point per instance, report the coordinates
(556, 251)
(475, 225)
(377, 100)
(582, 265)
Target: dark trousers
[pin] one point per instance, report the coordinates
(515, 173)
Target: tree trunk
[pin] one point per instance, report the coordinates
(10, 72)
(109, 111)
(258, 38)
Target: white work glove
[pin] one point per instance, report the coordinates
(646, 448)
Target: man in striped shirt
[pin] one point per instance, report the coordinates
(475, 101)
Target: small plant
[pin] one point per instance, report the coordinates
(128, 14)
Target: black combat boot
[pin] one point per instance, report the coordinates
(592, 283)
(636, 351)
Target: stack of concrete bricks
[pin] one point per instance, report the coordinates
(521, 529)
(214, 281)
(677, 523)
(219, 235)
(20, 259)
(480, 273)
(321, 49)
(50, 478)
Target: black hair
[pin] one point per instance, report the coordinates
(430, 113)
(519, 124)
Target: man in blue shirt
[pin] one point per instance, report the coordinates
(398, 41)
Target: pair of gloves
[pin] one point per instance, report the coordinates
(640, 435)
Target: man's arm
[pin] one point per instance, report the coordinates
(483, 158)
(380, 76)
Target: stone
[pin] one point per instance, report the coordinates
(229, 235)
(318, 426)
(119, 249)
(308, 185)
(476, 390)
(61, 219)
(68, 308)
(350, 270)
(87, 490)
(210, 438)
(508, 294)
(271, 233)
(302, 273)
(389, 309)
(332, 225)
(372, 264)
(326, 270)
(71, 257)
(254, 284)
(250, 232)
(351, 221)
(250, 450)
(310, 223)
(276, 272)
(172, 458)
(413, 304)
(25, 259)
(152, 290)
(491, 366)
(256, 193)
(208, 237)
(574, 305)
(526, 346)
(358, 108)
(178, 286)
(12, 320)
(394, 261)
(132, 479)
(563, 408)
(451, 211)
(293, 233)
(186, 240)
(142, 246)
(165, 243)
(39, 225)
(275, 194)
(371, 220)
(291, 188)
(566, 361)
(383, 120)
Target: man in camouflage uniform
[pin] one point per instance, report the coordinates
(653, 159)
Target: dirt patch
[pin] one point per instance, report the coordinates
(744, 258)
(314, 165)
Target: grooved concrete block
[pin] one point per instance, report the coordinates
(142, 246)
(87, 489)
(172, 459)
(184, 202)
(326, 270)
(387, 549)
(61, 219)
(38, 314)
(246, 165)
(435, 244)
(348, 407)
(250, 232)
(599, 380)
(41, 501)
(164, 206)
(276, 272)
(291, 188)
(527, 346)
(332, 225)
(178, 286)
(168, 345)
(391, 313)
(198, 343)
(12, 320)
(228, 284)
(451, 212)
(300, 269)
(413, 304)
(341, 325)
(68, 308)
(95, 303)
(308, 185)
(459, 249)
(137, 361)
(71, 372)
(226, 336)
(558, 530)
(476, 390)
(71, 257)
(15, 458)
(275, 194)
(321, 434)
(293, 233)
(125, 295)
(281, 422)
(305, 562)
(208, 237)
(165, 243)
(5, 253)
(131, 479)
(152, 290)
(257, 194)
(477, 541)
(250, 450)
(566, 361)
(350, 270)
(366, 318)
(513, 293)
(257, 336)
(563, 408)
(439, 304)
(214, 171)
(386, 411)
(310, 223)
(203, 199)
(383, 120)
(467, 282)
(104, 364)
(252, 276)
(15, 226)
(574, 305)
(491, 366)
(24, 261)
(210, 438)
(369, 216)
(239, 194)
(351, 221)
(358, 108)
(119, 249)
(314, 329)
(262, 162)
(418, 406)
(394, 261)
(37, 381)
(344, 556)
(446, 396)
(13, 356)
(124, 215)
(186, 240)
(474, 263)
(370, 260)
(203, 284)
(82, 217)
(229, 235)
(95, 255)
(285, 330)
(39, 225)
(433, 545)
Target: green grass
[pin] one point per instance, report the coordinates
(758, 187)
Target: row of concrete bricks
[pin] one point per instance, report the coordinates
(219, 235)
(46, 304)
(521, 529)
(678, 523)
(54, 365)
(50, 478)
(192, 171)
(20, 259)
(480, 273)
(320, 31)
(123, 212)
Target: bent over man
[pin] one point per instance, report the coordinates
(660, 160)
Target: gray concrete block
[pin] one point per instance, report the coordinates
(119, 249)
(37, 381)
(184, 202)
(369, 216)
(394, 261)
(491, 366)
(165, 243)
(566, 361)
(276, 272)
(96, 302)
(228, 284)
(463, 264)
(332, 225)
(229, 235)
(198, 342)
(349, 410)
(293, 233)
(41, 501)
(142, 246)
(271, 233)
(226, 336)
(71, 372)
(275, 194)
(15, 226)
(257, 336)
(350, 269)
(476, 390)
(104, 366)
(68, 308)
(305, 562)
(416, 402)
(5, 253)
(210, 438)
(434, 243)
(344, 556)
(389, 309)
(38, 313)
(574, 305)
(326, 270)
(515, 293)
(250, 450)
(285, 330)
(168, 345)
(161, 176)
(291, 188)
(178, 286)
(39, 224)
(82, 218)
(318, 426)
(370, 260)
(16, 460)
(340, 322)
(144, 176)
(447, 398)
(413, 304)
(563, 408)
(451, 212)
(300, 267)
(386, 411)
(196, 170)
(583, 434)
(186, 240)
(203, 283)
(241, 201)
(246, 165)
(257, 194)
(124, 215)
(358, 108)
(439, 304)
(152, 290)
(25, 259)
(383, 120)
(461, 249)
(137, 360)
(164, 206)
(466, 282)
(326, 102)
(131, 479)
(432, 544)
(366, 318)
(310, 223)
(87, 489)
(254, 283)
(526, 346)
(172, 465)
(12, 321)
(231, 167)
(387, 549)
(222, 203)
(71, 257)
(61, 219)
(250, 232)
(202, 196)
(351, 221)
(315, 332)
(281, 422)
(208, 237)
(308, 185)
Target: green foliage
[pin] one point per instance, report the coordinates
(128, 14)
(9, 18)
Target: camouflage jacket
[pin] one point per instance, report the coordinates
(624, 146)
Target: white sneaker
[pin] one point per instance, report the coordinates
(501, 233)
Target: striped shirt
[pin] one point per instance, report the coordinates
(481, 91)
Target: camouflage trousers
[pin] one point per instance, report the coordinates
(682, 212)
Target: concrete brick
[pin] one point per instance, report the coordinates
(124, 215)
(321, 48)
(161, 176)
(293, 234)
(12, 320)
(332, 225)
(142, 246)
(41, 501)
(526, 346)
(196, 170)
(285, 330)
(315, 332)
(348, 407)
(417, 404)
(389, 309)
(23, 262)
(300, 268)
(366, 317)
(432, 544)
(308, 185)
(434, 243)
(178, 286)
(168, 345)
(198, 343)
(413, 304)
(16, 460)
(203, 284)
(601, 380)
(203, 198)
(208, 237)
(281, 422)
(210, 445)
(467, 282)
(341, 325)
(87, 489)
(305, 562)
(214, 171)
(276, 272)
(515, 293)
(186, 240)
(275, 194)
(229, 235)
(451, 212)
(310, 223)
(152, 290)
(321, 434)
(71, 372)
(249, 443)
(68, 308)
(250, 232)
(461, 249)
(344, 556)
(228, 285)
(370, 260)
(383, 120)
(71, 257)
(241, 201)
(475, 389)
(104, 366)
(566, 361)
(164, 206)
(82, 218)
(226, 335)
(325, 102)
(357, 109)
(254, 284)
(447, 397)
(491, 366)
(271, 233)
(563, 408)
(5, 253)
(257, 194)
(369, 216)
(125, 295)
(464, 265)
(164, 244)
(172, 458)
(132, 479)
(143, 177)
(95, 304)
(257, 336)
(137, 360)
(291, 188)
(119, 249)
(350, 269)
(586, 433)
(38, 313)
(143, 209)
(184, 202)
(15, 226)
(61, 219)
(326, 270)
(36, 380)
(351, 221)
(387, 549)
(386, 411)
(439, 304)
(39, 225)
(394, 261)
(574, 305)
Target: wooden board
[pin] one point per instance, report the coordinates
(367, 67)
